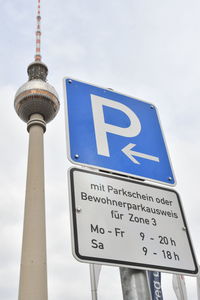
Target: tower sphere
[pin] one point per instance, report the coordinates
(36, 95)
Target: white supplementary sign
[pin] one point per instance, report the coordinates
(111, 131)
(127, 223)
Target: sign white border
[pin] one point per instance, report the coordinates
(130, 264)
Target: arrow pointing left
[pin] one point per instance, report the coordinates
(127, 150)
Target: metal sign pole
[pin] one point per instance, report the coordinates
(134, 284)
(94, 279)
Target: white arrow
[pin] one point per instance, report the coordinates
(130, 153)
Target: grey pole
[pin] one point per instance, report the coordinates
(93, 282)
(33, 275)
(134, 284)
(95, 271)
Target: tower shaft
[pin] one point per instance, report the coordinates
(33, 273)
(36, 103)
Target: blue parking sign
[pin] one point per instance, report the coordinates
(114, 132)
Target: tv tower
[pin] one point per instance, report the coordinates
(36, 103)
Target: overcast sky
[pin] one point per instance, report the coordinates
(146, 49)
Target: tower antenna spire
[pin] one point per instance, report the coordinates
(38, 34)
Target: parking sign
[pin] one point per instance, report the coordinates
(115, 132)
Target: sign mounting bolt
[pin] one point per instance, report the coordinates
(170, 178)
(76, 156)
(78, 210)
(70, 81)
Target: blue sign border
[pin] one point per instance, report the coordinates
(83, 152)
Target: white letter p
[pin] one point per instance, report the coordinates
(101, 128)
